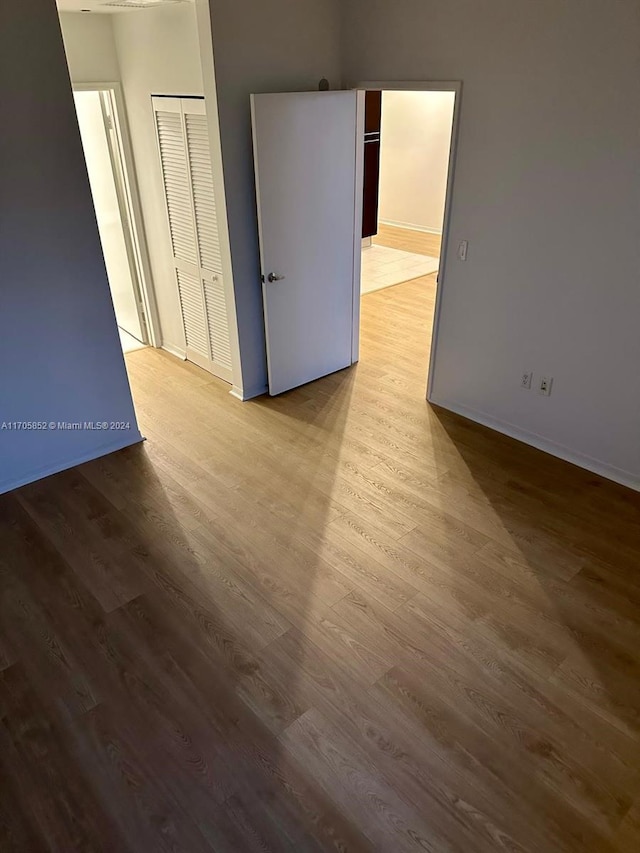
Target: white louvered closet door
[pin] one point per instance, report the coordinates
(183, 141)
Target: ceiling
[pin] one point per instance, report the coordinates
(99, 7)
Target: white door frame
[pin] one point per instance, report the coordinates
(203, 17)
(141, 256)
(454, 86)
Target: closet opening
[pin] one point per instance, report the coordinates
(102, 131)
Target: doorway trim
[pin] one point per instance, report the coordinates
(141, 255)
(454, 86)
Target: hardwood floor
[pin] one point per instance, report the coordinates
(333, 620)
(408, 241)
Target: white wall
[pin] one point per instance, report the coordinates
(107, 207)
(416, 137)
(276, 46)
(547, 192)
(90, 48)
(159, 54)
(59, 346)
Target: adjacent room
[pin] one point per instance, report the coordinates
(102, 142)
(137, 76)
(407, 151)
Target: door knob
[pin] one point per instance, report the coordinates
(275, 277)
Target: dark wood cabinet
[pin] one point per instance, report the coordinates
(372, 128)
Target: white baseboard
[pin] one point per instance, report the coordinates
(423, 229)
(177, 351)
(241, 394)
(41, 473)
(588, 463)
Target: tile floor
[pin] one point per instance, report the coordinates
(385, 267)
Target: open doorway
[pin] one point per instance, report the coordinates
(408, 152)
(101, 131)
(311, 235)
(153, 157)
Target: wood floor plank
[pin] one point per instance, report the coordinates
(84, 536)
(608, 753)
(348, 775)
(383, 630)
(628, 835)
(244, 741)
(66, 812)
(137, 487)
(18, 830)
(612, 694)
(273, 555)
(130, 789)
(51, 658)
(7, 653)
(396, 749)
(362, 572)
(336, 620)
(497, 783)
(408, 240)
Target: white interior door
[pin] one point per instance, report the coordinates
(305, 148)
(113, 237)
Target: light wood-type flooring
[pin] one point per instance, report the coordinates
(408, 241)
(336, 620)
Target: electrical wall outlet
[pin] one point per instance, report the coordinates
(546, 384)
(526, 380)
